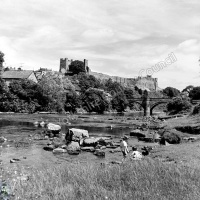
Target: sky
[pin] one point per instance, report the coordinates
(119, 38)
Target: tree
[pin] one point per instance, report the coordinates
(113, 87)
(119, 102)
(72, 101)
(86, 81)
(1, 57)
(76, 67)
(53, 87)
(194, 94)
(178, 105)
(94, 100)
(130, 95)
(171, 92)
(28, 96)
(188, 88)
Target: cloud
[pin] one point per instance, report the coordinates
(117, 37)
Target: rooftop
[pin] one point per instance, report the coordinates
(17, 74)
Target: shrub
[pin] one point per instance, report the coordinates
(178, 105)
(196, 110)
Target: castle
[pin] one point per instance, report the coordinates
(145, 83)
(65, 63)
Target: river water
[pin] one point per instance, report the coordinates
(33, 155)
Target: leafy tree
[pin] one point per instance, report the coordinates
(86, 81)
(195, 93)
(178, 105)
(196, 109)
(113, 87)
(94, 100)
(171, 92)
(76, 67)
(72, 101)
(29, 95)
(130, 95)
(188, 88)
(1, 56)
(119, 102)
(53, 87)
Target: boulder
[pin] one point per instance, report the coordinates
(73, 148)
(2, 139)
(99, 152)
(48, 148)
(90, 149)
(59, 150)
(171, 136)
(76, 135)
(137, 133)
(53, 127)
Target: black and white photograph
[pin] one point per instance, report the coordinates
(99, 100)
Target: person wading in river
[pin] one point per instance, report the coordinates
(124, 147)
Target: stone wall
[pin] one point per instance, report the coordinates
(143, 83)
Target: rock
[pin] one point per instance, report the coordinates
(137, 133)
(90, 141)
(171, 136)
(12, 161)
(58, 142)
(59, 150)
(76, 135)
(64, 146)
(16, 159)
(42, 124)
(94, 141)
(90, 149)
(103, 147)
(53, 127)
(99, 152)
(116, 162)
(48, 148)
(73, 148)
(118, 149)
(2, 139)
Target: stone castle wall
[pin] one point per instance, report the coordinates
(143, 83)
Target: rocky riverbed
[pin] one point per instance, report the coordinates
(26, 140)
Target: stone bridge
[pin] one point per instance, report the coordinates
(149, 103)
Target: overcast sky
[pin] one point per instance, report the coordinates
(117, 37)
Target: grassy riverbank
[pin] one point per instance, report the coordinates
(145, 179)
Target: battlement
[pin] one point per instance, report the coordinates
(143, 83)
(65, 62)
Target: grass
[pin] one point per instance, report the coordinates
(147, 179)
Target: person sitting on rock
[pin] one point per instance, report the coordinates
(136, 155)
(124, 147)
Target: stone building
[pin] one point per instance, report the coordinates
(12, 75)
(65, 63)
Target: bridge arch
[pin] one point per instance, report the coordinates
(139, 103)
(156, 104)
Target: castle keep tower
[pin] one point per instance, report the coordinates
(1, 66)
(65, 63)
(86, 66)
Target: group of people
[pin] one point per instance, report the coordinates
(135, 155)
